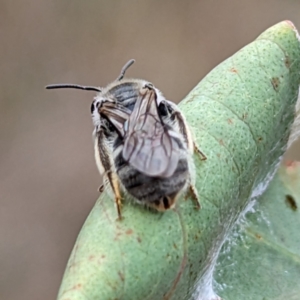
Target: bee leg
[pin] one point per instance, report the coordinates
(200, 153)
(104, 164)
(112, 177)
(193, 193)
(185, 130)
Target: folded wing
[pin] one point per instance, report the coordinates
(116, 114)
(149, 146)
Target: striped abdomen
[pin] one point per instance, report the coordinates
(153, 191)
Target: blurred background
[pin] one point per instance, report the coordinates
(48, 178)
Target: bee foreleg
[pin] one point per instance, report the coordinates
(113, 180)
(105, 165)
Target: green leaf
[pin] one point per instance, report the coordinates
(261, 260)
(241, 114)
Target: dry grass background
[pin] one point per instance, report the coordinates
(48, 178)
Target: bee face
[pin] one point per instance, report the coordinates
(143, 145)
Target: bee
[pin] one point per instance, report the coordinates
(143, 144)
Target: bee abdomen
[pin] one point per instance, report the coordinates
(151, 190)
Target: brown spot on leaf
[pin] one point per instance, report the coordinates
(129, 231)
(91, 257)
(258, 236)
(139, 239)
(174, 245)
(233, 70)
(291, 202)
(221, 142)
(275, 82)
(229, 121)
(260, 139)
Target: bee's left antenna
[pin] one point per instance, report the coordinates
(73, 86)
(124, 69)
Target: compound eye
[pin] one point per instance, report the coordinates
(163, 110)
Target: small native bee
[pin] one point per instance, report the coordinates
(143, 144)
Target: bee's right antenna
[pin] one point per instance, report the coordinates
(124, 69)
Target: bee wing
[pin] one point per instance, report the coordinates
(148, 145)
(116, 114)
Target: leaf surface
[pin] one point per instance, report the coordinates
(261, 259)
(241, 114)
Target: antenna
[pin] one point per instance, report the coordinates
(72, 86)
(124, 69)
(89, 88)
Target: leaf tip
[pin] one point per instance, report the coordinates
(290, 23)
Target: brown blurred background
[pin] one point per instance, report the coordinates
(48, 178)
